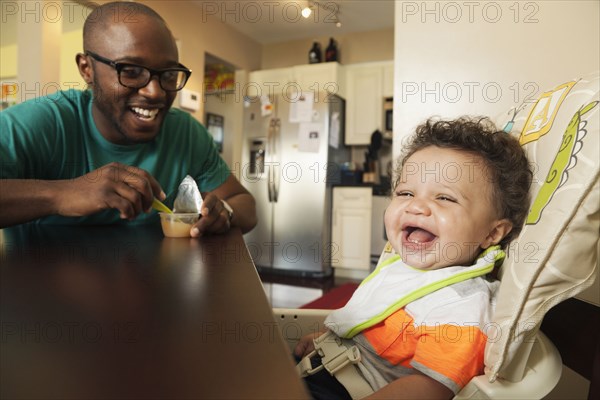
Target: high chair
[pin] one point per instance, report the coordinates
(541, 370)
(555, 256)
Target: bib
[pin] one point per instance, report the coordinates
(395, 284)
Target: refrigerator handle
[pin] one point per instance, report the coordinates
(276, 173)
(269, 158)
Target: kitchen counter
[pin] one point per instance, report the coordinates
(380, 189)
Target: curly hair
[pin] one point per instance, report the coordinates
(506, 163)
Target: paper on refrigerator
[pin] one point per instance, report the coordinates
(301, 107)
(334, 130)
(309, 137)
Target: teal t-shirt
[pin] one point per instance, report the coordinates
(55, 137)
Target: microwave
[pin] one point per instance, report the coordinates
(388, 114)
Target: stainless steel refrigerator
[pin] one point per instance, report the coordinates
(290, 168)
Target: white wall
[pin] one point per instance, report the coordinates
(482, 57)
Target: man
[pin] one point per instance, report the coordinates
(102, 155)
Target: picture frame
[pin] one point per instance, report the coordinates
(215, 126)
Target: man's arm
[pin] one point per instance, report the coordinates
(24, 200)
(215, 218)
(113, 186)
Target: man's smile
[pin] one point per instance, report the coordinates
(147, 114)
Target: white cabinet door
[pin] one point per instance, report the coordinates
(351, 228)
(269, 82)
(289, 81)
(364, 103)
(388, 79)
(323, 77)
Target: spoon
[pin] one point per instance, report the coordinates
(157, 205)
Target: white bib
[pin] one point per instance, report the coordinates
(394, 284)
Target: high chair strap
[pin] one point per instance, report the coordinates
(339, 360)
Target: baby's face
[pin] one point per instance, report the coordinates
(441, 213)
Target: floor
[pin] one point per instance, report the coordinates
(293, 292)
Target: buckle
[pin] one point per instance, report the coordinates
(305, 367)
(349, 356)
(334, 355)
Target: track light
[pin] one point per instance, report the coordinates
(331, 8)
(306, 11)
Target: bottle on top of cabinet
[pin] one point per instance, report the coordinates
(331, 52)
(314, 55)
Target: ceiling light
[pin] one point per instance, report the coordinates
(331, 8)
(306, 11)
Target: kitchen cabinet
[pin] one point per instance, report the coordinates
(366, 85)
(268, 81)
(351, 227)
(314, 78)
(388, 79)
(324, 77)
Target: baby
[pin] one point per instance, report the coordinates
(416, 327)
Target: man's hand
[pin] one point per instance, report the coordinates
(214, 219)
(113, 186)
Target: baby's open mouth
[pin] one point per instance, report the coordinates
(145, 113)
(418, 235)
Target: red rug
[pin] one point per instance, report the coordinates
(334, 299)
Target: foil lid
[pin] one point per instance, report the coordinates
(189, 199)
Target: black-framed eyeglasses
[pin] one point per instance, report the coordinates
(136, 76)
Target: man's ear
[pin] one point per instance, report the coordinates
(85, 68)
(500, 229)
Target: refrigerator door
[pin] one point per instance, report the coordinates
(254, 176)
(299, 212)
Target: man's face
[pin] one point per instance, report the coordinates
(124, 115)
(441, 213)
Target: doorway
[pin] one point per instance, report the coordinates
(222, 108)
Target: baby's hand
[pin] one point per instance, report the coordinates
(305, 345)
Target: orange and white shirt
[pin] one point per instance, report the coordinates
(439, 331)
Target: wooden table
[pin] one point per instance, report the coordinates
(122, 312)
